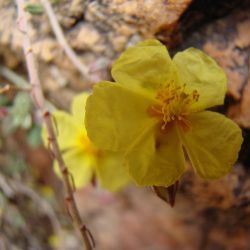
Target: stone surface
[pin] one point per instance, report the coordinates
(95, 29)
(227, 40)
(208, 215)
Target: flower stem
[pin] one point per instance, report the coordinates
(39, 102)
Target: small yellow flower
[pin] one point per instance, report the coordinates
(82, 158)
(154, 114)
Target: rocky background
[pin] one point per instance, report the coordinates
(211, 215)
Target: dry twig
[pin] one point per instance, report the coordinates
(17, 80)
(63, 42)
(12, 187)
(39, 102)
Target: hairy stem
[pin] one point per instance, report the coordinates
(39, 102)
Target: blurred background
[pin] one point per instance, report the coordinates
(208, 215)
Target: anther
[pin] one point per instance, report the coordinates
(174, 103)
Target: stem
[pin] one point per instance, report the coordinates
(63, 42)
(14, 78)
(39, 102)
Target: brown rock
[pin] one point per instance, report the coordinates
(241, 112)
(46, 49)
(227, 40)
(85, 38)
(232, 61)
(230, 49)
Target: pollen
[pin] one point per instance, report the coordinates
(173, 104)
(85, 145)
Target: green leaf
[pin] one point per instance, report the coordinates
(22, 103)
(34, 9)
(54, 2)
(21, 109)
(34, 136)
(14, 165)
(3, 100)
(8, 127)
(26, 122)
(19, 114)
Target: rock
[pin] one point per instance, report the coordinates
(95, 29)
(46, 49)
(77, 8)
(240, 112)
(221, 40)
(85, 38)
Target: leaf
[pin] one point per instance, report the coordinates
(34, 9)
(3, 100)
(20, 111)
(34, 136)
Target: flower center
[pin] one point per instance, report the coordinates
(86, 146)
(173, 104)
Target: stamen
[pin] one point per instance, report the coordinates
(174, 104)
(86, 146)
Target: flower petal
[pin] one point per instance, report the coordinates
(80, 166)
(146, 65)
(200, 72)
(212, 143)
(156, 159)
(111, 173)
(78, 107)
(67, 129)
(115, 116)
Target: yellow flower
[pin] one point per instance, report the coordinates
(82, 158)
(154, 114)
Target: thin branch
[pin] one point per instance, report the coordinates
(19, 81)
(39, 102)
(4, 89)
(63, 42)
(7, 88)
(12, 188)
